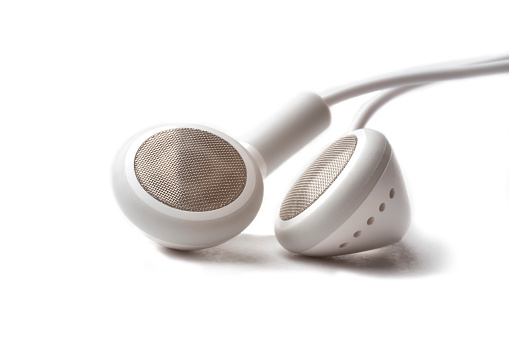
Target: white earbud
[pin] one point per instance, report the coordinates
(192, 187)
(352, 198)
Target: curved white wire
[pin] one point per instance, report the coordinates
(413, 78)
(367, 110)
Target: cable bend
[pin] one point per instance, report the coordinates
(367, 110)
(413, 78)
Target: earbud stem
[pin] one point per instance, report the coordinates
(292, 128)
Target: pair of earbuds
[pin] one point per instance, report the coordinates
(191, 187)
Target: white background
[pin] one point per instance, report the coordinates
(78, 78)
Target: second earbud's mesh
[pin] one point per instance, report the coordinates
(318, 177)
(190, 169)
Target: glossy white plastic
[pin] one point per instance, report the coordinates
(366, 207)
(294, 126)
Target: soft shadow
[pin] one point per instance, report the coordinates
(244, 249)
(415, 255)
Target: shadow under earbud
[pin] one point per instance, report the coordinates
(414, 255)
(244, 249)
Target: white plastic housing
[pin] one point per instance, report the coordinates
(365, 208)
(179, 229)
(294, 126)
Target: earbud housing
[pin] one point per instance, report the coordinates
(172, 182)
(354, 200)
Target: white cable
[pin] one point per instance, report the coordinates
(412, 78)
(367, 110)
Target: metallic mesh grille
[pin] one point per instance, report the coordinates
(190, 169)
(318, 177)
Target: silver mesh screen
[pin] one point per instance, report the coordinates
(190, 169)
(318, 177)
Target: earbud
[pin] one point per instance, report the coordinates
(187, 186)
(352, 198)
(192, 187)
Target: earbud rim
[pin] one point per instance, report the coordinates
(183, 214)
(181, 229)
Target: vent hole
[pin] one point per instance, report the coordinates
(371, 220)
(344, 245)
(357, 233)
(382, 207)
(391, 193)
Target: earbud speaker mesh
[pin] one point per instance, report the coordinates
(318, 177)
(190, 169)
